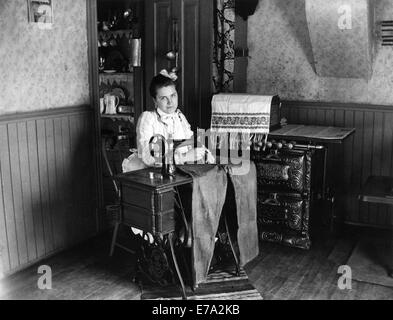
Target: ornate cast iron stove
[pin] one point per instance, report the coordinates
(284, 194)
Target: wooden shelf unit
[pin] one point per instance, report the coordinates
(105, 35)
(124, 117)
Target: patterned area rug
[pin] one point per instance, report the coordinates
(369, 262)
(220, 285)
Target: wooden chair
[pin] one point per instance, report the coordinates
(379, 189)
(112, 166)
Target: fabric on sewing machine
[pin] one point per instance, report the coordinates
(245, 187)
(244, 116)
(208, 198)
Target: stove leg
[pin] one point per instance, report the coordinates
(332, 213)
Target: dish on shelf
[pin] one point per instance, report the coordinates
(125, 110)
(109, 71)
(114, 60)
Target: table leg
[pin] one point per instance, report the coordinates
(327, 194)
(170, 238)
(324, 182)
(114, 236)
(232, 247)
(331, 201)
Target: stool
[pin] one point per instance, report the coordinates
(379, 189)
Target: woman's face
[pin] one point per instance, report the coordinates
(166, 99)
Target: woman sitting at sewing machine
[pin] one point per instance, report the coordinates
(208, 194)
(166, 120)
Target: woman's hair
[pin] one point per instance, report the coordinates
(159, 81)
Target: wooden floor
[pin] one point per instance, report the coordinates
(285, 273)
(86, 272)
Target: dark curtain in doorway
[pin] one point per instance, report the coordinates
(224, 46)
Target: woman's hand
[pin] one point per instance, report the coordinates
(192, 155)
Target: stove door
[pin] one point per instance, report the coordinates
(289, 211)
(284, 172)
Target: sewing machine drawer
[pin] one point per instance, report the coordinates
(285, 172)
(282, 210)
(159, 222)
(148, 199)
(148, 210)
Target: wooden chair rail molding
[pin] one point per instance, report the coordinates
(336, 105)
(39, 114)
(368, 152)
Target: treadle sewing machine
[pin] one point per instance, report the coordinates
(151, 201)
(148, 203)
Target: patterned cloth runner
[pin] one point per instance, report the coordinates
(241, 113)
(245, 117)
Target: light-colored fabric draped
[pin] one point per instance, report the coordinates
(208, 198)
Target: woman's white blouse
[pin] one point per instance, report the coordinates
(158, 122)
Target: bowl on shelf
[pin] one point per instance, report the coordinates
(122, 109)
(115, 61)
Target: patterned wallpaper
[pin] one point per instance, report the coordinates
(43, 69)
(282, 59)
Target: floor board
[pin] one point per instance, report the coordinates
(278, 273)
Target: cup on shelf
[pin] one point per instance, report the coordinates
(111, 103)
(112, 41)
(101, 65)
(105, 26)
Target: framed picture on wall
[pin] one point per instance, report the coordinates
(40, 11)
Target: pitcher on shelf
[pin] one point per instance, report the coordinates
(111, 102)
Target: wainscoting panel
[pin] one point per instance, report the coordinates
(368, 151)
(47, 189)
